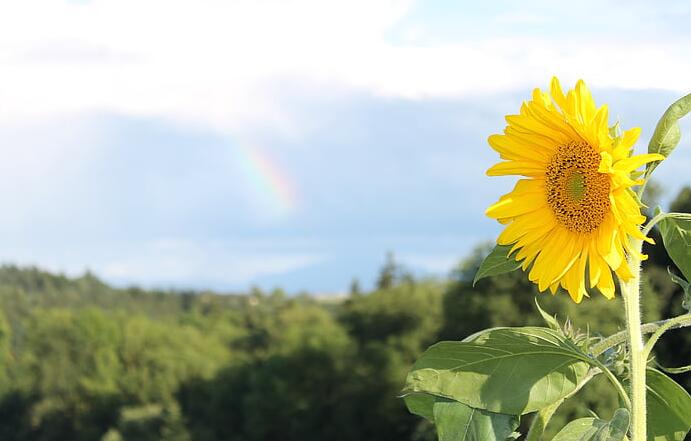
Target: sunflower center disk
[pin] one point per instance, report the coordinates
(577, 193)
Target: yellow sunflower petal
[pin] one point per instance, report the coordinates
(516, 205)
(511, 149)
(521, 168)
(606, 284)
(634, 162)
(624, 272)
(626, 142)
(557, 94)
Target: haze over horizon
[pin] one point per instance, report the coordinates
(200, 150)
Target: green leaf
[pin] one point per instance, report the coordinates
(676, 234)
(595, 429)
(457, 422)
(505, 370)
(667, 132)
(421, 405)
(549, 319)
(540, 421)
(497, 262)
(669, 408)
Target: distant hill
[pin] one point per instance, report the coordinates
(37, 288)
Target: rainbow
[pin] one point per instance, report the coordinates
(270, 183)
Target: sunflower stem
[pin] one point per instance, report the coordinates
(655, 220)
(682, 321)
(637, 360)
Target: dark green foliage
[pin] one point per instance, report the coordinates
(147, 422)
(82, 361)
(392, 273)
(682, 203)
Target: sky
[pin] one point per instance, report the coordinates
(293, 143)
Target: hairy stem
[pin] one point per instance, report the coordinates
(677, 322)
(631, 293)
(682, 321)
(652, 222)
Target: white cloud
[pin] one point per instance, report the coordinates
(217, 63)
(206, 60)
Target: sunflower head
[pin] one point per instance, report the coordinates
(571, 217)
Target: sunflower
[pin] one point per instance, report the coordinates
(574, 211)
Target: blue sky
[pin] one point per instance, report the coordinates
(292, 143)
